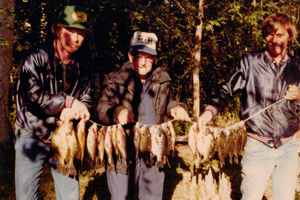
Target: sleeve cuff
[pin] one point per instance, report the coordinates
(212, 109)
(69, 101)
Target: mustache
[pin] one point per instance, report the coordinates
(74, 44)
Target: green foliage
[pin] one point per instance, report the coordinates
(230, 28)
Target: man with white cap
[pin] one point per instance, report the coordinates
(54, 84)
(138, 92)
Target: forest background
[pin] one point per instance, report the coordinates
(229, 29)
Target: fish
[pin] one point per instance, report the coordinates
(121, 142)
(109, 147)
(137, 139)
(192, 139)
(159, 144)
(81, 135)
(64, 147)
(221, 146)
(205, 146)
(114, 139)
(170, 147)
(230, 144)
(173, 136)
(101, 143)
(145, 144)
(91, 142)
(244, 135)
(238, 144)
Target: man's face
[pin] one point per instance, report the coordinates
(71, 38)
(277, 41)
(141, 64)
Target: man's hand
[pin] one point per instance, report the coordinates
(204, 119)
(292, 93)
(126, 116)
(67, 114)
(81, 112)
(179, 113)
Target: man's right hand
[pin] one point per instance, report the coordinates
(204, 118)
(126, 116)
(81, 112)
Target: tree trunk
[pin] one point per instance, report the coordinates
(197, 63)
(6, 51)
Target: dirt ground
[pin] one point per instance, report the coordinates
(177, 182)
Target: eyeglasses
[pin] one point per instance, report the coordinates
(149, 59)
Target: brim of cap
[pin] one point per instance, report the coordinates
(145, 49)
(79, 26)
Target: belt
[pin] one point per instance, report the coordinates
(270, 142)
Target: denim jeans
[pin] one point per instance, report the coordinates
(31, 155)
(260, 162)
(150, 180)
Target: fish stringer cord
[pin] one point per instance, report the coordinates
(263, 110)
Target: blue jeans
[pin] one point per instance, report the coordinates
(150, 180)
(31, 155)
(260, 162)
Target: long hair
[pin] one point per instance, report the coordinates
(276, 21)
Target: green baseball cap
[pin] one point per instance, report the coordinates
(74, 17)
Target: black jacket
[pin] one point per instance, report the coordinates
(39, 99)
(122, 89)
(260, 84)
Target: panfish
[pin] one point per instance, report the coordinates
(243, 132)
(230, 144)
(114, 139)
(101, 143)
(91, 142)
(238, 144)
(64, 147)
(145, 144)
(205, 146)
(121, 142)
(137, 139)
(173, 136)
(109, 147)
(170, 146)
(192, 139)
(222, 147)
(159, 144)
(81, 135)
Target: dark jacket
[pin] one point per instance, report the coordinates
(122, 89)
(39, 100)
(260, 84)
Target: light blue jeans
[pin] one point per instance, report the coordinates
(31, 155)
(260, 162)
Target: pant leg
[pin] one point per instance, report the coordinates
(258, 164)
(66, 187)
(284, 177)
(31, 154)
(151, 182)
(117, 184)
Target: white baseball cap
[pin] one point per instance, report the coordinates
(143, 42)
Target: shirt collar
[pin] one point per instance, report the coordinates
(285, 58)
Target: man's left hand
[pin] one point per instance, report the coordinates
(179, 113)
(293, 93)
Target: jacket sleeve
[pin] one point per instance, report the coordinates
(234, 84)
(33, 86)
(108, 108)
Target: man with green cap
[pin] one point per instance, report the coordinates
(54, 84)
